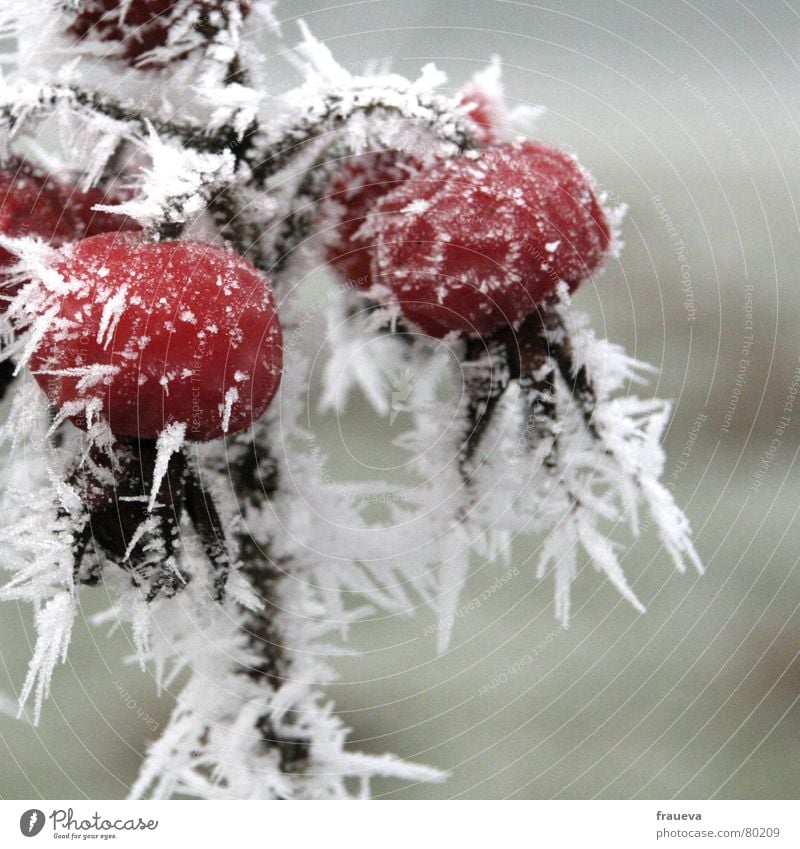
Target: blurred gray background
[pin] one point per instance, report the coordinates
(692, 103)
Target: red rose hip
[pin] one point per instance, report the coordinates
(33, 204)
(361, 183)
(29, 206)
(483, 239)
(365, 179)
(91, 222)
(161, 332)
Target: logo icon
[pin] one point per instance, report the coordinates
(31, 822)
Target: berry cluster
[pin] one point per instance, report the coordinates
(148, 333)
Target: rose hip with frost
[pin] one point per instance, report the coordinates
(162, 332)
(482, 240)
(365, 179)
(361, 183)
(32, 204)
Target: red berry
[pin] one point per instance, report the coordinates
(143, 25)
(90, 222)
(361, 183)
(190, 328)
(481, 240)
(364, 180)
(32, 204)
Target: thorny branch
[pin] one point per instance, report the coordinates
(254, 475)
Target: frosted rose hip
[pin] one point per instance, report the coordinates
(365, 179)
(190, 331)
(483, 239)
(33, 204)
(361, 183)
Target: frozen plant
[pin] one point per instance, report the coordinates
(157, 209)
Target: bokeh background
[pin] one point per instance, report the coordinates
(689, 113)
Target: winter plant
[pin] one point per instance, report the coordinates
(159, 208)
